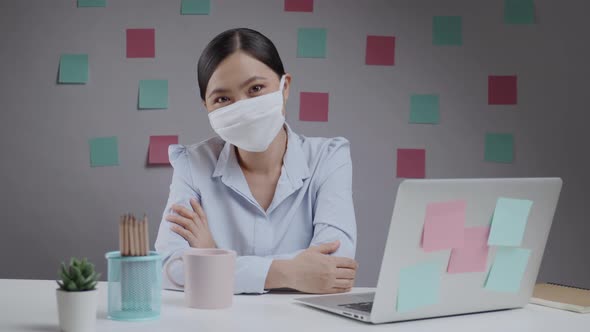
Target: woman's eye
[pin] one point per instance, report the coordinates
(256, 88)
(221, 100)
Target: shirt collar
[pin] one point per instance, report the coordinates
(294, 160)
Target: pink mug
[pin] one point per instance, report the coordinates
(208, 277)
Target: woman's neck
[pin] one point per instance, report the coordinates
(265, 162)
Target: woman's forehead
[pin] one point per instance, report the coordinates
(236, 69)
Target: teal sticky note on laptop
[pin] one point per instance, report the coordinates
(73, 68)
(509, 221)
(419, 286)
(507, 269)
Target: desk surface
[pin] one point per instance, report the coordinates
(30, 305)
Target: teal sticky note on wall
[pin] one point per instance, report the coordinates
(447, 30)
(424, 109)
(92, 3)
(311, 43)
(153, 94)
(519, 11)
(507, 269)
(195, 7)
(73, 68)
(104, 151)
(499, 147)
(419, 286)
(509, 221)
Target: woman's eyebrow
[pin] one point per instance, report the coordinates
(248, 81)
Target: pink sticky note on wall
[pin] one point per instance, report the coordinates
(313, 106)
(473, 257)
(299, 6)
(380, 50)
(444, 225)
(141, 43)
(411, 163)
(158, 150)
(502, 90)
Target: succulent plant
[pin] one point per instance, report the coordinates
(79, 276)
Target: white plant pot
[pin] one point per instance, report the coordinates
(77, 310)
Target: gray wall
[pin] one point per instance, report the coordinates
(53, 205)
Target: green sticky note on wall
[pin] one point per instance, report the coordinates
(447, 30)
(311, 43)
(499, 147)
(92, 3)
(73, 68)
(509, 221)
(507, 269)
(153, 94)
(419, 286)
(519, 11)
(424, 109)
(104, 151)
(195, 7)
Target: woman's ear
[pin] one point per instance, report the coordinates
(286, 89)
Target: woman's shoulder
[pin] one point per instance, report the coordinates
(333, 150)
(199, 155)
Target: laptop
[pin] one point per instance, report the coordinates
(453, 293)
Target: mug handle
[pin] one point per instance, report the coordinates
(167, 269)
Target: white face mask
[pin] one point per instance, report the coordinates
(251, 124)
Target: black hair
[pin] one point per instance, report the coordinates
(230, 41)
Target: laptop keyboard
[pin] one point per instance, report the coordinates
(360, 306)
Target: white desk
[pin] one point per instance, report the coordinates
(30, 305)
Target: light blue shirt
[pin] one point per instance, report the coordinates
(312, 204)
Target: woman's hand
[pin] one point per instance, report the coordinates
(315, 271)
(192, 225)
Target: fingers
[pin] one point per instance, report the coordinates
(343, 283)
(187, 235)
(345, 273)
(345, 262)
(181, 221)
(327, 248)
(199, 210)
(185, 212)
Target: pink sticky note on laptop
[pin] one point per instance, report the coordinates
(158, 150)
(473, 257)
(444, 225)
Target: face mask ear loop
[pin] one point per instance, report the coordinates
(282, 83)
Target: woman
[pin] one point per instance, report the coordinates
(282, 201)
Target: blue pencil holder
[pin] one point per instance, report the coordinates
(134, 286)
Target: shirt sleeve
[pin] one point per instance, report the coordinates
(333, 212)
(170, 244)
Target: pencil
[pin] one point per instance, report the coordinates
(147, 235)
(141, 239)
(134, 237)
(125, 236)
(121, 235)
